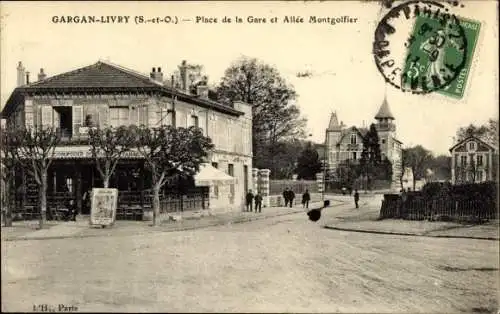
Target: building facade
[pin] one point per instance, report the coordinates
(104, 94)
(346, 143)
(473, 161)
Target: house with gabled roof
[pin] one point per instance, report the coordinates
(345, 143)
(105, 94)
(473, 160)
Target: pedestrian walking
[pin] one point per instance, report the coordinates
(258, 202)
(356, 198)
(291, 197)
(249, 199)
(306, 197)
(286, 196)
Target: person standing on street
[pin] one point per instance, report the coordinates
(249, 199)
(306, 197)
(258, 202)
(291, 197)
(356, 198)
(286, 196)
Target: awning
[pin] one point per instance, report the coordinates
(208, 175)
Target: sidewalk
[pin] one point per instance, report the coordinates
(190, 221)
(365, 219)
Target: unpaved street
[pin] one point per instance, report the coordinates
(285, 264)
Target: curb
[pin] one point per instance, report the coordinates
(178, 229)
(411, 234)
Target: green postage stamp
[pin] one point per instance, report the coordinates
(438, 51)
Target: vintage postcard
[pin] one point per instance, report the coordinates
(249, 156)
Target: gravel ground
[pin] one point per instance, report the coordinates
(281, 264)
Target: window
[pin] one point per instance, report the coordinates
(479, 176)
(479, 160)
(230, 169)
(472, 146)
(383, 141)
(215, 165)
(354, 155)
(353, 138)
(463, 160)
(195, 121)
(119, 117)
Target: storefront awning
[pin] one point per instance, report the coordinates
(208, 175)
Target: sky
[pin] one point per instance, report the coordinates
(345, 78)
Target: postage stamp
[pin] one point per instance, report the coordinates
(422, 47)
(456, 88)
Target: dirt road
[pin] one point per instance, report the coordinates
(285, 264)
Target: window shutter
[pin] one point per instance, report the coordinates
(77, 118)
(46, 116)
(103, 116)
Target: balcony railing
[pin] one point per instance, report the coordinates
(67, 136)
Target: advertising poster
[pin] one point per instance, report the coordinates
(103, 209)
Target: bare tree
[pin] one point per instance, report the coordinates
(168, 151)
(8, 164)
(36, 148)
(107, 147)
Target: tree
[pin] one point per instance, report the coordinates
(440, 167)
(487, 132)
(371, 158)
(169, 151)
(417, 158)
(276, 118)
(308, 163)
(36, 148)
(107, 147)
(9, 162)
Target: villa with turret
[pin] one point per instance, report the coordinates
(346, 143)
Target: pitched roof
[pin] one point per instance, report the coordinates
(474, 138)
(384, 112)
(97, 75)
(107, 77)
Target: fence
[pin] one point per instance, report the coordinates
(131, 205)
(443, 209)
(276, 187)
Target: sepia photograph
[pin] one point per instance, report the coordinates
(250, 156)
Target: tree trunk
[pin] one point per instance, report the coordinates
(156, 204)
(43, 199)
(8, 202)
(106, 182)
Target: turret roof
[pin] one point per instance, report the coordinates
(384, 112)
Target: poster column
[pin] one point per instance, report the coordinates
(264, 186)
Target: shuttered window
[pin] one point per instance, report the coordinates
(77, 118)
(118, 117)
(47, 116)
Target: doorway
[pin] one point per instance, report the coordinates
(65, 121)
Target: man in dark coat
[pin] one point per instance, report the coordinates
(306, 197)
(258, 202)
(356, 198)
(286, 196)
(249, 199)
(291, 197)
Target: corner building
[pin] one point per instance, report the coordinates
(104, 94)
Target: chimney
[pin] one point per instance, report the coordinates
(202, 91)
(159, 75)
(184, 76)
(27, 77)
(20, 74)
(41, 75)
(153, 73)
